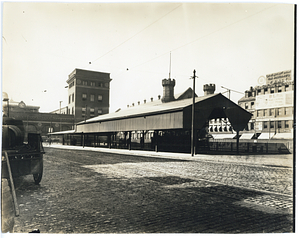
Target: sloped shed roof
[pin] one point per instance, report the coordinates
(165, 116)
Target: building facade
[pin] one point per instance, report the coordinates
(88, 94)
(272, 106)
(35, 121)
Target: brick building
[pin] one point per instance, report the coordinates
(88, 94)
(35, 121)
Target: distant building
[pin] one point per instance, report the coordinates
(88, 94)
(272, 106)
(63, 110)
(35, 121)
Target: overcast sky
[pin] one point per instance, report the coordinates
(230, 45)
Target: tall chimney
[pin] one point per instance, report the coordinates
(168, 90)
(209, 89)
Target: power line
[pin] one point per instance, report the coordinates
(206, 35)
(136, 34)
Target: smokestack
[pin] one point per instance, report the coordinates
(209, 89)
(168, 90)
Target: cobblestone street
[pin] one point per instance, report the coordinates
(84, 191)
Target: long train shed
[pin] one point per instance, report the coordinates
(158, 125)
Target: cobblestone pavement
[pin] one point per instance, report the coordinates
(96, 192)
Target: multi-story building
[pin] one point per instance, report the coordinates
(88, 94)
(35, 121)
(272, 106)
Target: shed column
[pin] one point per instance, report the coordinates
(109, 140)
(129, 140)
(155, 141)
(237, 141)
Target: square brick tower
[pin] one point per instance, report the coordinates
(88, 94)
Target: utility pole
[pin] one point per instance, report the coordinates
(193, 116)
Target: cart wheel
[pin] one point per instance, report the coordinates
(38, 177)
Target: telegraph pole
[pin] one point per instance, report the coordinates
(193, 116)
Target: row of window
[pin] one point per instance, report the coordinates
(220, 129)
(92, 97)
(92, 83)
(92, 112)
(69, 111)
(263, 91)
(283, 111)
(71, 98)
(219, 120)
(85, 97)
(278, 124)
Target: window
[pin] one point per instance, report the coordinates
(252, 104)
(99, 111)
(258, 92)
(265, 90)
(92, 112)
(279, 89)
(279, 124)
(287, 111)
(286, 124)
(246, 105)
(252, 125)
(99, 97)
(272, 90)
(84, 96)
(73, 97)
(287, 87)
(271, 124)
(69, 99)
(271, 112)
(93, 84)
(265, 113)
(84, 83)
(259, 113)
(265, 124)
(279, 112)
(83, 111)
(100, 85)
(92, 97)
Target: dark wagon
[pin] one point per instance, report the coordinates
(24, 158)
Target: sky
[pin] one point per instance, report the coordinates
(139, 44)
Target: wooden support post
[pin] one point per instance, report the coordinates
(129, 140)
(17, 211)
(237, 142)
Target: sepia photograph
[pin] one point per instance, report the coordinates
(148, 118)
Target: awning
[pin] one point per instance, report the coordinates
(223, 136)
(247, 135)
(266, 136)
(283, 136)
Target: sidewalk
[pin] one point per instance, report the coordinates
(281, 160)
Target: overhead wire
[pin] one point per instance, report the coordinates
(137, 33)
(191, 42)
